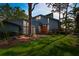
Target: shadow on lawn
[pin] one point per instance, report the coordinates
(67, 50)
(64, 50)
(51, 48)
(55, 51)
(42, 52)
(37, 49)
(10, 53)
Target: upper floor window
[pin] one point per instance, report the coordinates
(38, 18)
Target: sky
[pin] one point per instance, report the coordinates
(40, 8)
(23, 6)
(43, 9)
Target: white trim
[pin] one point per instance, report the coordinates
(39, 29)
(48, 25)
(33, 30)
(27, 28)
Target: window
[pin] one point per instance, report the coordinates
(38, 18)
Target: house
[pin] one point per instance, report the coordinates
(41, 24)
(14, 26)
(45, 24)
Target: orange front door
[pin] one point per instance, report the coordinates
(44, 29)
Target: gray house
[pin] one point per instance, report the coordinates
(14, 26)
(45, 24)
(42, 24)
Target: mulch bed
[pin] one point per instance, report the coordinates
(18, 39)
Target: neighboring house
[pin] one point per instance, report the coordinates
(45, 24)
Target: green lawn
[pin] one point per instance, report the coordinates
(51, 45)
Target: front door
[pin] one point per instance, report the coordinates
(44, 29)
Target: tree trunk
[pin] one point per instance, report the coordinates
(77, 24)
(59, 17)
(30, 17)
(66, 24)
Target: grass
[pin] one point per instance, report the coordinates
(51, 45)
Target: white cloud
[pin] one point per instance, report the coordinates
(42, 8)
(26, 11)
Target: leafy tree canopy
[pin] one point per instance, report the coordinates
(10, 13)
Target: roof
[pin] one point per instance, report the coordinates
(46, 16)
(38, 15)
(10, 23)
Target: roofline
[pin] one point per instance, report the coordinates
(10, 23)
(38, 15)
(46, 17)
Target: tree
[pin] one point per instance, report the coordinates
(70, 17)
(5, 11)
(66, 19)
(9, 13)
(19, 14)
(72, 14)
(77, 20)
(30, 15)
(5, 14)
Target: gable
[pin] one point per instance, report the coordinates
(50, 16)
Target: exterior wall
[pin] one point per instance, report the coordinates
(35, 24)
(25, 27)
(9, 28)
(38, 23)
(18, 22)
(43, 21)
(52, 24)
(22, 24)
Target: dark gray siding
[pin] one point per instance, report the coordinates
(53, 24)
(18, 22)
(9, 28)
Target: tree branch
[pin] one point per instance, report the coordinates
(34, 6)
